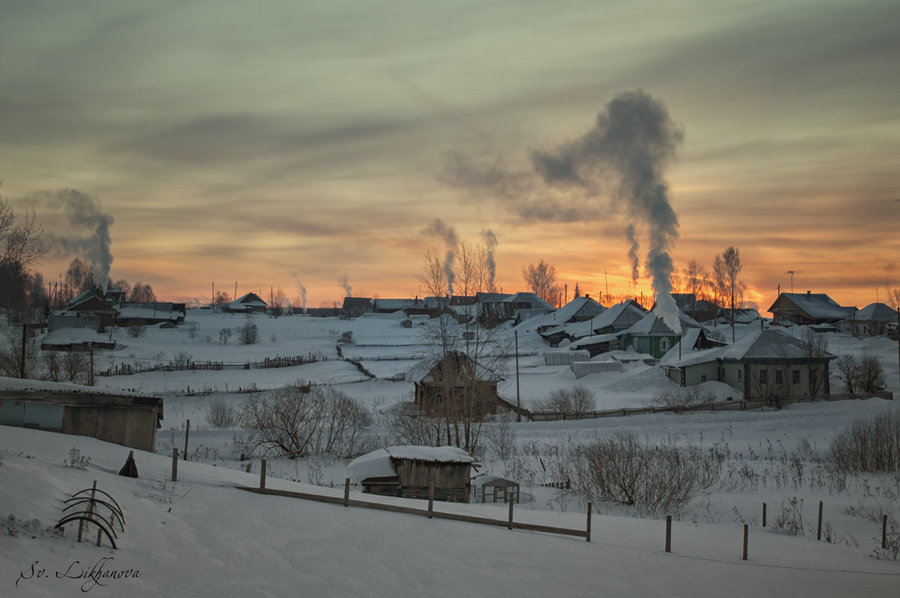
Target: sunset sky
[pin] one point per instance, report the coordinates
(302, 144)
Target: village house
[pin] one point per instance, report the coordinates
(249, 303)
(875, 319)
(764, 364)
(597, 334)
(651, 335)
(412, 472)
(810, 309)
(452, 385)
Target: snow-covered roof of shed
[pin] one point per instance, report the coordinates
(876, 312)
(25, 384)
(378, 463)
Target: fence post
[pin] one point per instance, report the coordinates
(745, 542)
(668, 533)
(764, 514)
(590, 508)
(187, 434)
(347, 492)
(511, 503)
(262, 474)
(819, 528)
(884, 531)
(174, 464)
(430, 500)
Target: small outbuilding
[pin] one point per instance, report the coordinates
(411, 471)
(494, 489)
(126, 419)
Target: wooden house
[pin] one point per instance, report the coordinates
(875, 319)
(808, 309)
(563, 325)
(90, 305)
(651, 335)
(249, 303)
(452, 385)
(411, 472)
(127, 419)
(764, 364)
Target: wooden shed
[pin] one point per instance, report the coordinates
(126, 419)
(410, 471)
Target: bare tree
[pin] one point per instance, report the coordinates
(142, 293)
(894, 302)
(815, 349)
(20, 248)
(541, 280)
(696, 279)
(727, 270)
(79, 277)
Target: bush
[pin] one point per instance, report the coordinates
(301, 420)
(688, 396)
(567, 402)
(860, 377)
(407, 426)
(248, 334)
(868, 446)
(654, 479)
(220, 415)
(136, 331)
(77, 460)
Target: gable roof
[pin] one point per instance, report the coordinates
(380, 463)
(583, 307)
(814, 305)
(653, 325)
(771, 343)
(876, 312)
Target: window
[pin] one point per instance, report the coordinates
(703, 378)
(779, 377)
(795, 377)
(664, 343)
(763, 376)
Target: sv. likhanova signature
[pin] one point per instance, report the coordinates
(99, 574)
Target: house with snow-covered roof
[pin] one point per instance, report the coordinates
(613, 320)
(653, 336)
(808, 309)
(454, 385)
(249, 303)
(875, 319)
(764, 364)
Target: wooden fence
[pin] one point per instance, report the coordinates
(429, 512)
(127, 369)
(713, 406)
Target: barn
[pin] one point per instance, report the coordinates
(411, 471)
(126, 419)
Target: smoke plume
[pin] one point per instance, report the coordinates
(633, 252)
(302, 290)
(451, 242)
(490, 244)
(345, 283)
(631, 145)
(82, 211)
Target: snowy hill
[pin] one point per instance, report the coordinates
(201, 536)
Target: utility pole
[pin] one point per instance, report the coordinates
(24, 347)
(518, 398)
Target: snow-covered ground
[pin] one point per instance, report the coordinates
(203, 536)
